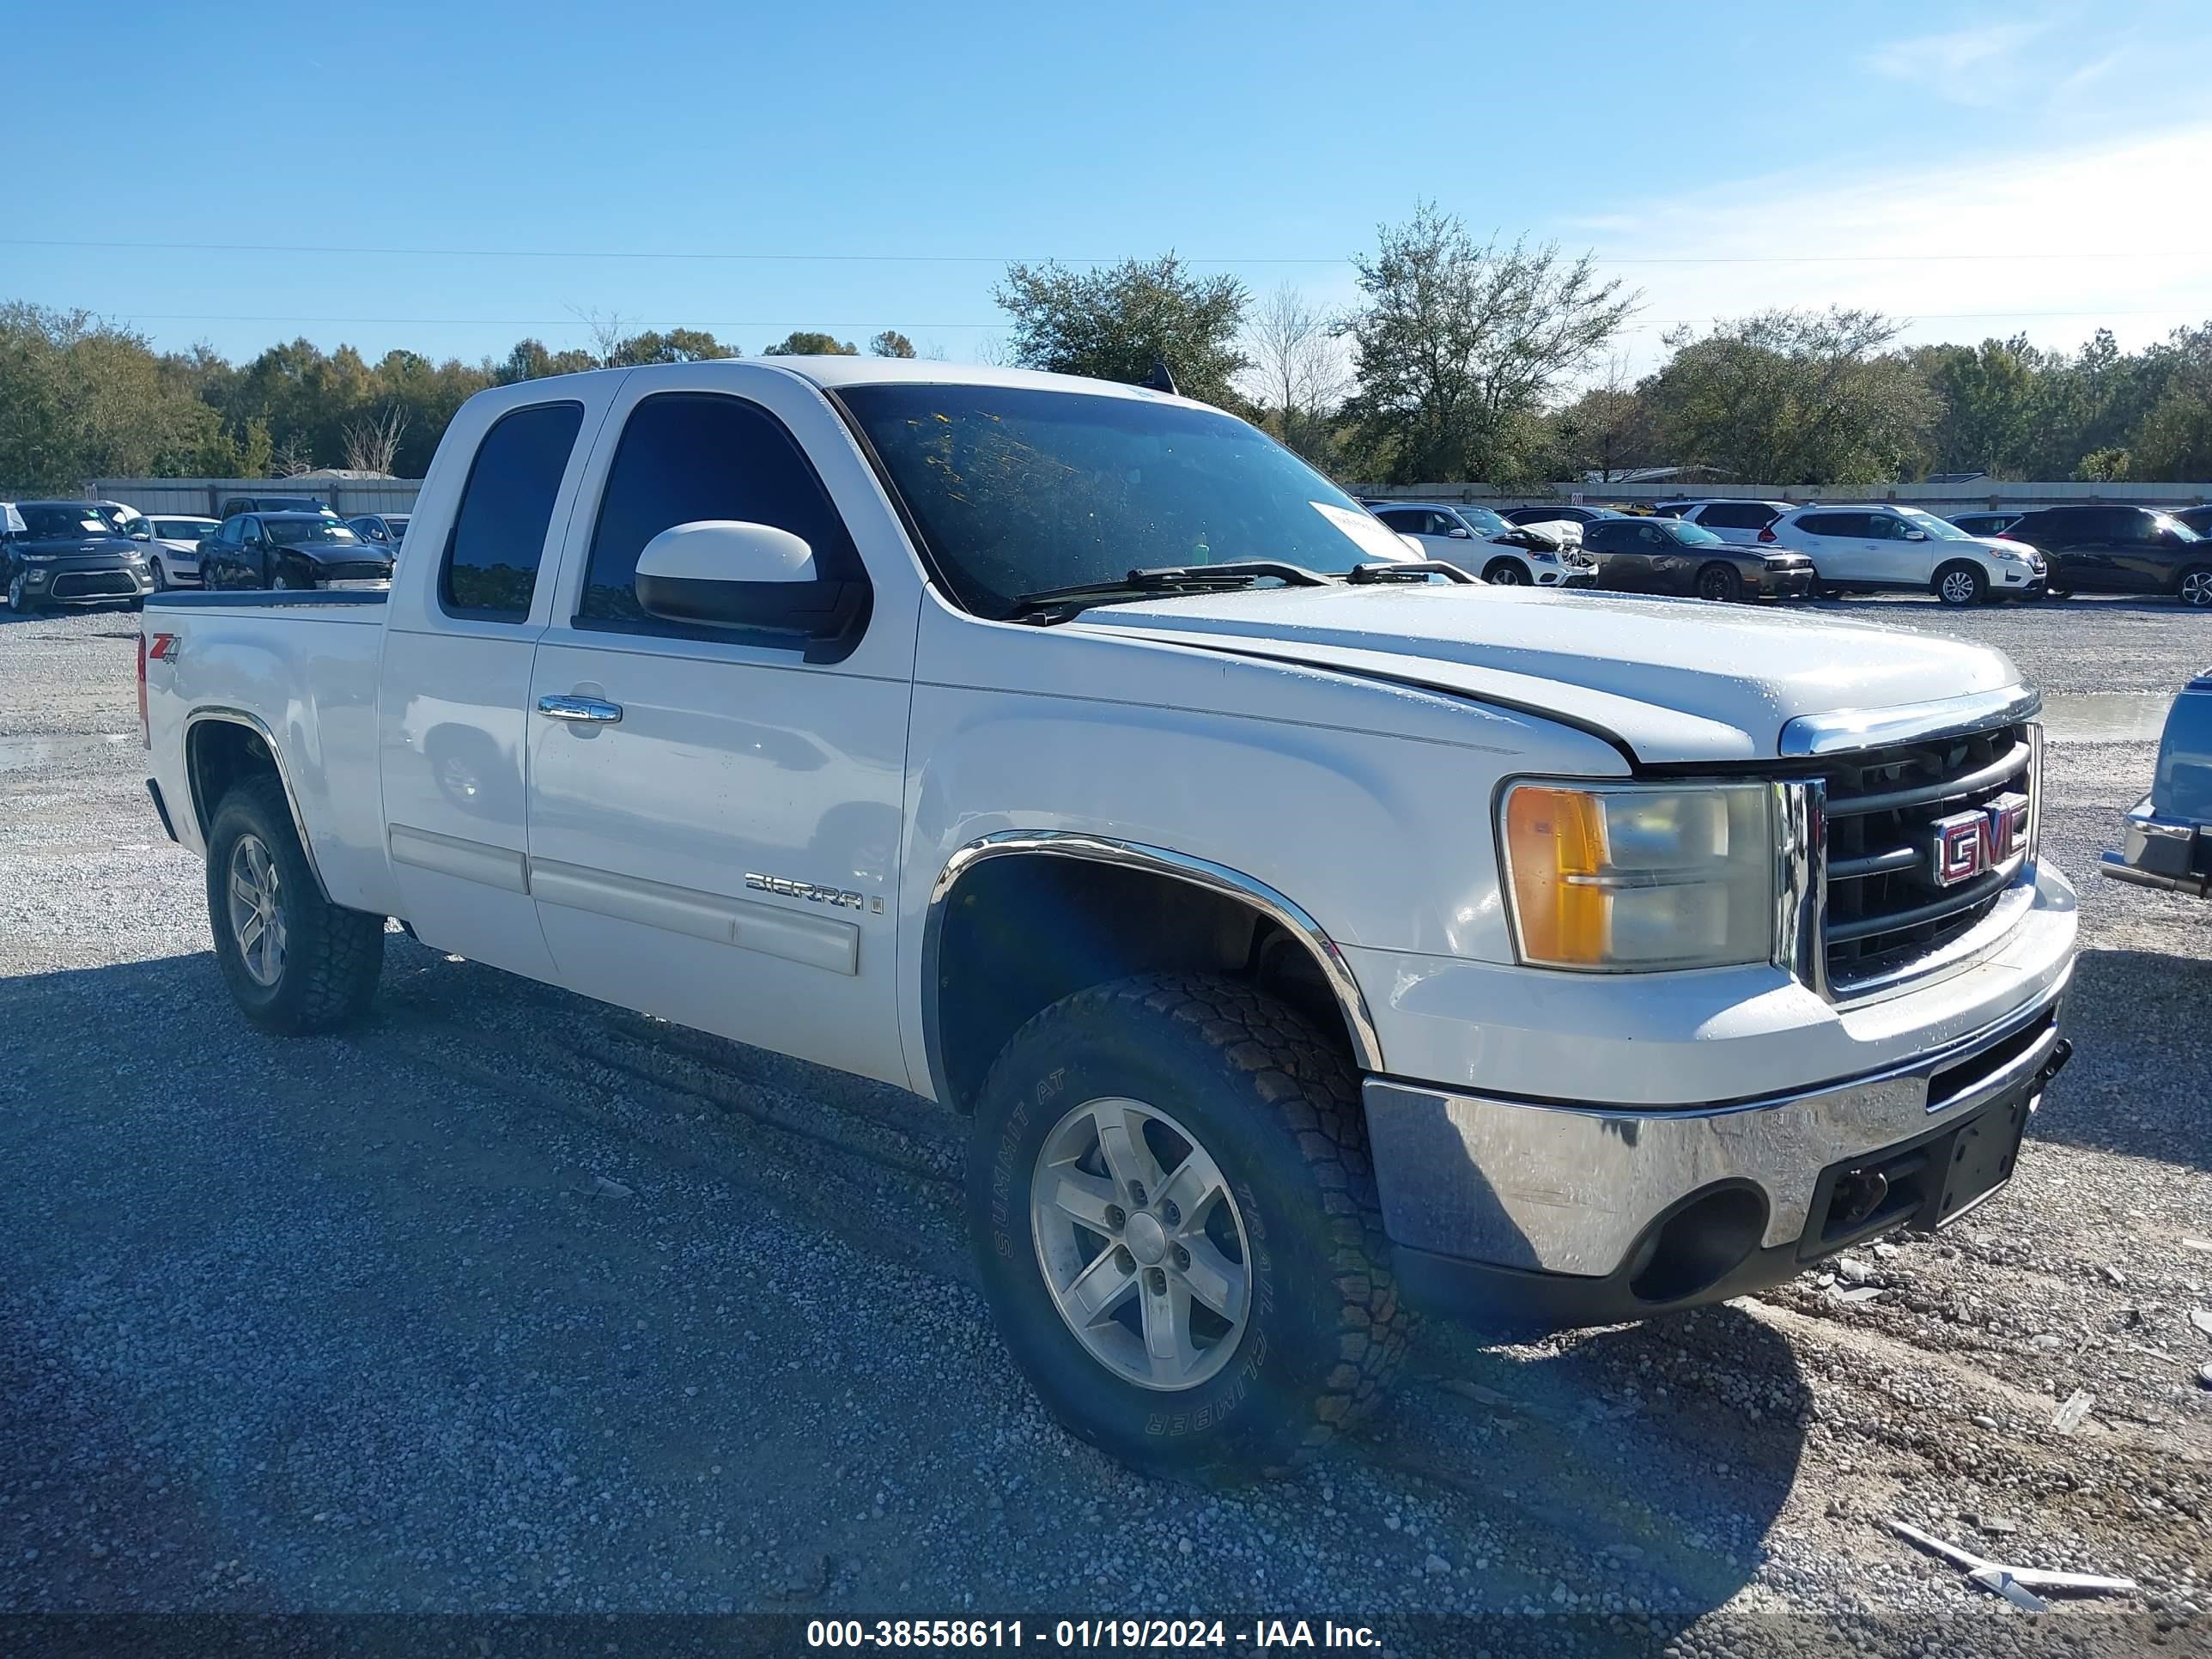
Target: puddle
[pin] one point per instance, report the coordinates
(2106, 716)
(17, 754)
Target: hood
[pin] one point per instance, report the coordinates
(82, 547)
(1673, 680)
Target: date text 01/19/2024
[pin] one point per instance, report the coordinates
(1087, 1635)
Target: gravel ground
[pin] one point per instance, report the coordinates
(513, 1302)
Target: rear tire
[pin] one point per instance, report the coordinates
(1182, 1075)
(309, 965)
(1959, 584)
(1506, 572)
(1719, 583)
(2195, 587)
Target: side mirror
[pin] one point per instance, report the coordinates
(1915, 535)
(1459, 532)
(724, 574)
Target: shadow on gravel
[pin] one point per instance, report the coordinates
(1651, 1460)
(2135, 1085)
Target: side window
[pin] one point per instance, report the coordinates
(1833, 524)
(688, 455)
(498, 538)
(1404, 522)
(1881, 527)
(2133, 525)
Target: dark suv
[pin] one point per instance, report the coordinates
(2119, 550)
(66, 553)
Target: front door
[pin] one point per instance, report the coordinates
(715, 814)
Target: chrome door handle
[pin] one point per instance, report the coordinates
(592, 711)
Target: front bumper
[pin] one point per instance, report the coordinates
(1564, 575)
(2165, 852)
(1562, 1214)
(1782, 584)
(82, 582)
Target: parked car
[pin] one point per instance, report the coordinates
(1481, 543)
(1672, 556)
(382, 531)
(67, 553)
(1737, 521)
(2165, 840)
(1301, 944)
(2120, 550)
(172, 544)
(292, 551)
(2198, 519)
(237, 504)
(1986, 523)
(1554, 512)
(1865, 549)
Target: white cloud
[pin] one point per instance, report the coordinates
(1980, 66)
(2058, 242)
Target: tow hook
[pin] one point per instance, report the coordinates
(2062, 1052)
(1858, 1195)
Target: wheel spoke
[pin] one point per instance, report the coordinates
(243, 892)
(1082, 1198)
(251, 930)
(1121, 1138)
(1168, 1343)
(1192, 1185)
(1099, 1288)
(1214, 1280)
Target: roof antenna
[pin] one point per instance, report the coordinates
(1159, 379)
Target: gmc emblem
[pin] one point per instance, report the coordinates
(1969, 844)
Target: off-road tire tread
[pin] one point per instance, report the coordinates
(338, 952)
(1312, 1086)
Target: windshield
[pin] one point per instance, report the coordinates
(1016, 490)
(64, 521)
(1484, 522)
(300, 532)
(1691, 535)
(1941, 530)
(2174, 526)
(396, 525)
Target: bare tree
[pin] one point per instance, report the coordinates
(289, 459)
(605, 329)
(1299, 373)
(372, 443)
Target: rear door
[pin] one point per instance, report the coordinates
(1839, 544)
(719, 846)
(463, 628)
(2094, 538)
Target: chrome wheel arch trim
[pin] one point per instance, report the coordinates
(203, 810)
(1350, 1001)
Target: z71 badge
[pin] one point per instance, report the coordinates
(807, 891)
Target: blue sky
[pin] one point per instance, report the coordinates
(1721, 157)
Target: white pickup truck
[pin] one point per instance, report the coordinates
(1309, 934)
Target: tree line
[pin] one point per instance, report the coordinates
(1460, 359)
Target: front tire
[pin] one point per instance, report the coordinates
(161, 576)
(1961, 585)
(297, 963)
(19, 595)
(2195, 587)
(1175, 1226)
(1506, 572)
(1719, 583)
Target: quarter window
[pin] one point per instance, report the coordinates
(498, 538)
(690, 456)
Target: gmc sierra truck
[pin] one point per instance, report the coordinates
(1310, 932)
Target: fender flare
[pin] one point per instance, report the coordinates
(204, 810)
(1352, 1002)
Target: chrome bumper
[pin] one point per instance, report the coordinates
(1571, 1188)
(2156, 852)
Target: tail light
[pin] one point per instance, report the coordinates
(1767, 532)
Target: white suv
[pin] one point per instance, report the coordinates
(1535, 557)
(1864, 549)
(1737, 521)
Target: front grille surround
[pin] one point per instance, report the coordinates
(94, 584)
(1859, 911)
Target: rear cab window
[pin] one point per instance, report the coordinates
(489, 569)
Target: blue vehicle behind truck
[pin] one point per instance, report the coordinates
(2166, 840)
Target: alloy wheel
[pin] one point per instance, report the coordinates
(2197, 588)
(1140, 1243)
(256, 912)
(1958, 588)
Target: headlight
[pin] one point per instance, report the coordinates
(39, 558)
(1543, 555)
(1615, 879)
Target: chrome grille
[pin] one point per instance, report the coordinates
(1886, 904)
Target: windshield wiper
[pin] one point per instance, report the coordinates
(1165, 579)
(1409, 570)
